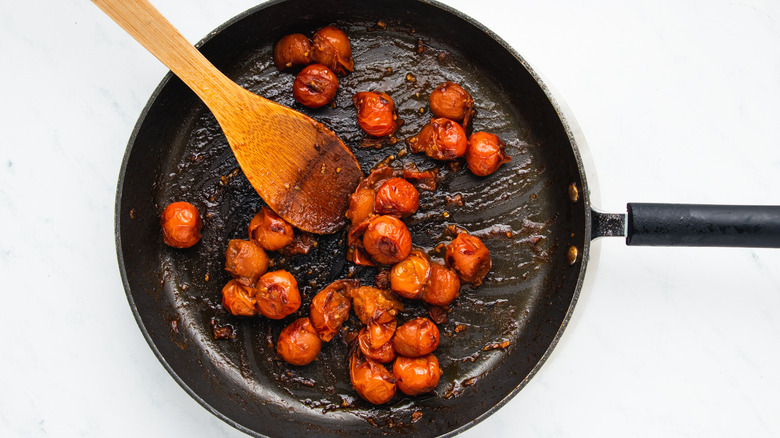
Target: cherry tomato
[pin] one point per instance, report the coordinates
(417, 337)
(387, 240)
(385, 353)
(277, 294)
(443, 286)
(315, 86)
(372, 304)
(291, 51)
(269, 230)
(361, 205)
(181, 225)
(330, 308)
(441, 139)
(376, 113)
(239, 299)
(485, 153)
(330, 47)
(451, 101)
(397, 197)
(371, 380)
(409, 276)
(245, 260)
(380, 333)
(416, 375)
(469, 257)
(298, 343)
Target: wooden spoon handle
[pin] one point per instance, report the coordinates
(150, 28)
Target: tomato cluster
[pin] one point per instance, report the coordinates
(391, 350)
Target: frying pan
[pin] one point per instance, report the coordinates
(534, 215)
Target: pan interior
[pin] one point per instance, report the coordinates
(496, 334)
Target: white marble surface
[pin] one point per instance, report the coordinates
(679, 101)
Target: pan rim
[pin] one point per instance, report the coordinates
(567, 122)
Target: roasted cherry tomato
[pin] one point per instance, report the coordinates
(415, 338)
(441, 139)
(330, 308)
(239, 299)
(376, 113)
(277, 294)
(485, 153)
(315, 86)
(380, 333)
(397, 197)
(385, 353)
(409, 277)
(469, 257)
(361, 205)
(443, 286)
(245, 260)
(451, 101)
(330, 47)
(298, 343)
(269, 230)
(181, 225)
(291, 51)
(416, 375)
(371, 380)
(387, 240)
(372, 304)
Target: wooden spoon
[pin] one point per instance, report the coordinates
(300, 168)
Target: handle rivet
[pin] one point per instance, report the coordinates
(571, 255)
(574, 192)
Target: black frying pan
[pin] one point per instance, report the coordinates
(534, 215)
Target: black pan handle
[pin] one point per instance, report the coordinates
(693, 225)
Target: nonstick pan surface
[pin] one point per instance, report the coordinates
(497, 335)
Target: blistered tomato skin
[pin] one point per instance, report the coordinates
(415, 338)
(277, 294)
(443, 286)
(371, 380)
(361, 205)
(441, 139)
(315, 86)
(469, 257)
(376, 113)
(418, 375)
(181, 225)
(245, 260)
(409, 277)
(330, 47)
(270, 231)
(485, 153)
(374, 305)
(385, 353)
(397, 197)
(330, 308)
(387, 240)
(298, 343)
(451, 101)
(292, 51)
(239, 299)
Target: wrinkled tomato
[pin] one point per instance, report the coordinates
(181, 225)
(485, 153)
(469, 257)
(298, 343)
(277, 294)
(315, 86)
(376, 113)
